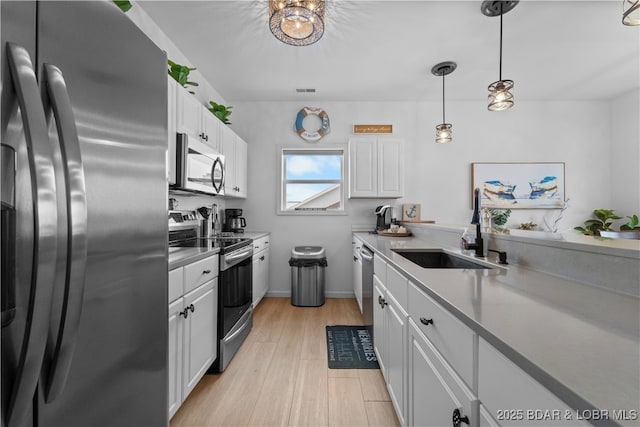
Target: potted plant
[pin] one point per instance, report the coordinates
(180, 73)
(499, 218)
(221, 112)
(629, 230)
(602, 225)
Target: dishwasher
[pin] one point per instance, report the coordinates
(367, 285)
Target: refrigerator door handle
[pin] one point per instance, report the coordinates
(43, 188)
(76, 205)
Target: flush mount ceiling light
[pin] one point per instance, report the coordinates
(297, 22)
(443, 130)
(500, 97)
(631, 12)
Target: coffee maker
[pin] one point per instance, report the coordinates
(233, 221)
(383, 214)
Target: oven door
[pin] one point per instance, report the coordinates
(198, 167)
(236, 294)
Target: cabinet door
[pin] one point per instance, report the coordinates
(396, 332)
(171, 128)
(362, 167)
(241, 167)
(229, 152)
(357, 279)
(176, 325)
(435, 391)
(211, 129)
(189, 114)
(390, 168)
(379, 329)
(200, 333)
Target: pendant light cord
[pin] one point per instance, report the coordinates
(500, 41)
(443, 121)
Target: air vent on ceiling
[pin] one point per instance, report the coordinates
(306, 90)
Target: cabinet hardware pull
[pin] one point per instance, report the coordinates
(457, 419)
(191, 307)
(206, 271)
(426, 322)
(185, 313)
(262, 258)
(382, 301)
(206, 137)
(355, 258)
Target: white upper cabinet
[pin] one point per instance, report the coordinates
(172, 89)
(234, 150)
(195, 119)
(376, 168)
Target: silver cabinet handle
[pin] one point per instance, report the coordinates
(76, 204)
(207, 271)
(43, 263)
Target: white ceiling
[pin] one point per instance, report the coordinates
(384, 50)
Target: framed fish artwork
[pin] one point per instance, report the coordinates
(519, 185)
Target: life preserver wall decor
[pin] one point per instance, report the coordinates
(309, 135)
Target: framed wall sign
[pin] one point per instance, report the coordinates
(373, 129)
(519, 185)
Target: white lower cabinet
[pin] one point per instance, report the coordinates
(533, 404)
(436, 393)
(390, 342)
(357, 272)
(260, 270)
(193, 327)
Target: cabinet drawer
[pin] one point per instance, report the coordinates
(450, 336)
(176, 284)
(498, 377)
(199, 272)
(397, 286)
(259, 244)
(380, 268)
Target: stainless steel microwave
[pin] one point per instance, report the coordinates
(199, 168)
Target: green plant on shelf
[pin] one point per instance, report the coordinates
(180, 74)
(602, 222)
(632, 225)
(221, 112)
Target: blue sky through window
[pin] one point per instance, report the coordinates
(320, 167)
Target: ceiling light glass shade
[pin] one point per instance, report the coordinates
(297, 23)
(443, 133)
(500, 97)
(631, 12)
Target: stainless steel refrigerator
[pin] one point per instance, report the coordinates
(84, 228)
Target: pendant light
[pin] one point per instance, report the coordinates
(500, 96)
(631, 12)
(443, 130)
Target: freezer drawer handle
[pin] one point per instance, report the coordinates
(76, 238)
(43, 260)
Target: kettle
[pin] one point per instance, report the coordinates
(384, 217)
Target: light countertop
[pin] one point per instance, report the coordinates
(580, 342)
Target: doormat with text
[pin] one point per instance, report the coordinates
(351, 347)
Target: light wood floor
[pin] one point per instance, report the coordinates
(280, 376)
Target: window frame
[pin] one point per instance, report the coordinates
(340, 150)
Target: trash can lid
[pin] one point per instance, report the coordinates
(307, 252)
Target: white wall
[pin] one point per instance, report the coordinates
(436, 176)
(625, 154)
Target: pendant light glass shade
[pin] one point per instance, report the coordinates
(443, 133)
(443, 130)
(500, 96)
(631, 12)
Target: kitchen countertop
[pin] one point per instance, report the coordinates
(581, 342)
(179, 257)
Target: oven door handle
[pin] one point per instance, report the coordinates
(229, 260)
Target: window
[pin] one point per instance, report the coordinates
(312, 181)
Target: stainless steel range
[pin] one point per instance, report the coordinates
(235, 282)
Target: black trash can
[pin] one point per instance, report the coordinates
(308, 264)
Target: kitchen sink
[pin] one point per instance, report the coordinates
(437, 258)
